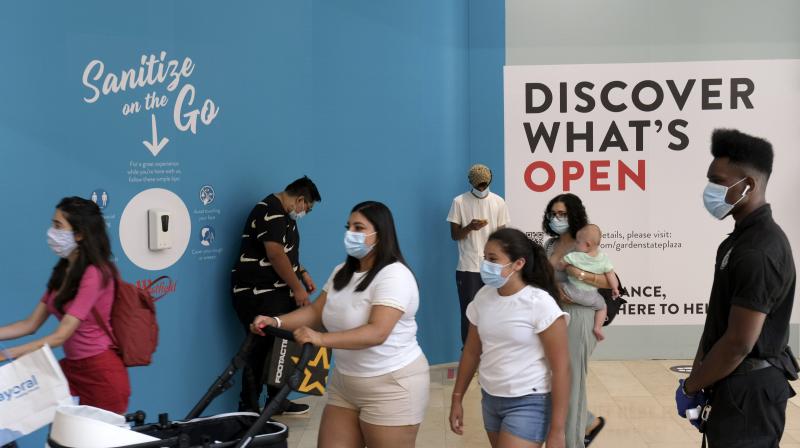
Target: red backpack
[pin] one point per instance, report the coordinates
(134, 328)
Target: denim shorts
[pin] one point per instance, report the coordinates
(527, 417)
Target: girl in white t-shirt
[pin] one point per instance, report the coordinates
(517, 340)
(378, 390)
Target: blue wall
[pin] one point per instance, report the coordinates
(389, 101)
(487, 49)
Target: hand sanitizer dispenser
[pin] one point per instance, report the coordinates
(158, 229)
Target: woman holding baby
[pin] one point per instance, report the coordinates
(563, 218)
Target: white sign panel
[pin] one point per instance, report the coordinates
(633, 142)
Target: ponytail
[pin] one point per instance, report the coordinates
(538, 272)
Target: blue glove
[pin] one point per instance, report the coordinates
(685, 402)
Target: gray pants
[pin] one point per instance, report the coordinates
(581, 346)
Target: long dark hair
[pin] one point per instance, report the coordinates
(576, 214)
(537, 271)
(93, 249)
(387, 248)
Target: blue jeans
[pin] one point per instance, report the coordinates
(527, 417)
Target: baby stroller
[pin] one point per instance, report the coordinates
(239, 429)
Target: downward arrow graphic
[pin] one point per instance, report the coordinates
(156, 146)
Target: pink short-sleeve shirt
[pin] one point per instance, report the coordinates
(89, 339)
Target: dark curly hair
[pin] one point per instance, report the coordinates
(743, 149)
(576, 214)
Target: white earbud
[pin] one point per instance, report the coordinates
(746, 189)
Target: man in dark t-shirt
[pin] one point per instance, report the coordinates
(269, 280)
(743, 361)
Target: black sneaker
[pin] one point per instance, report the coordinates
(291, 408)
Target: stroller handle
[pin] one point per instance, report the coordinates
(293, 382)
(278, 332)
(223, 382)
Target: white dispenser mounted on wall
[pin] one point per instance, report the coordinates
(158, 229)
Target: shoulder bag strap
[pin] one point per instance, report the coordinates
(99, 319)
(103, 325)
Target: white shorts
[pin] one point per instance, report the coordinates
(396, 398)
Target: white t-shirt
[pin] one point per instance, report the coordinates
(513, 363)
(467, 207)
(394, 286)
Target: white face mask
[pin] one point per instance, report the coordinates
(481, 194)
(62, 242)
(296, 215)
(714, 199)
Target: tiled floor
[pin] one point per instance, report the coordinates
(635, 397)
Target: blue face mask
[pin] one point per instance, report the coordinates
(714, 199)
(355, 244)
(559, 226)
(492, 274)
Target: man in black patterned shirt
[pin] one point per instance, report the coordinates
(268, 278)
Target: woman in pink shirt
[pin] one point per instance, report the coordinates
(82, 281)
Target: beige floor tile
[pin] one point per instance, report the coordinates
(665, 395)
(633, 408)
(618, 380)
(474, 436)
(684, 424)
(437, 399)
(793, 417)
(659, 430)
(628, 438)
(592, 380)
(599, 397)
(637, 398)
(293, 441)
(651, 373)
(309, 440)
(791, 436)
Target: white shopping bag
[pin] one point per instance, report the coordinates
(31, 388)
(89, 427)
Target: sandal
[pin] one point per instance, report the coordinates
(594, 432)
